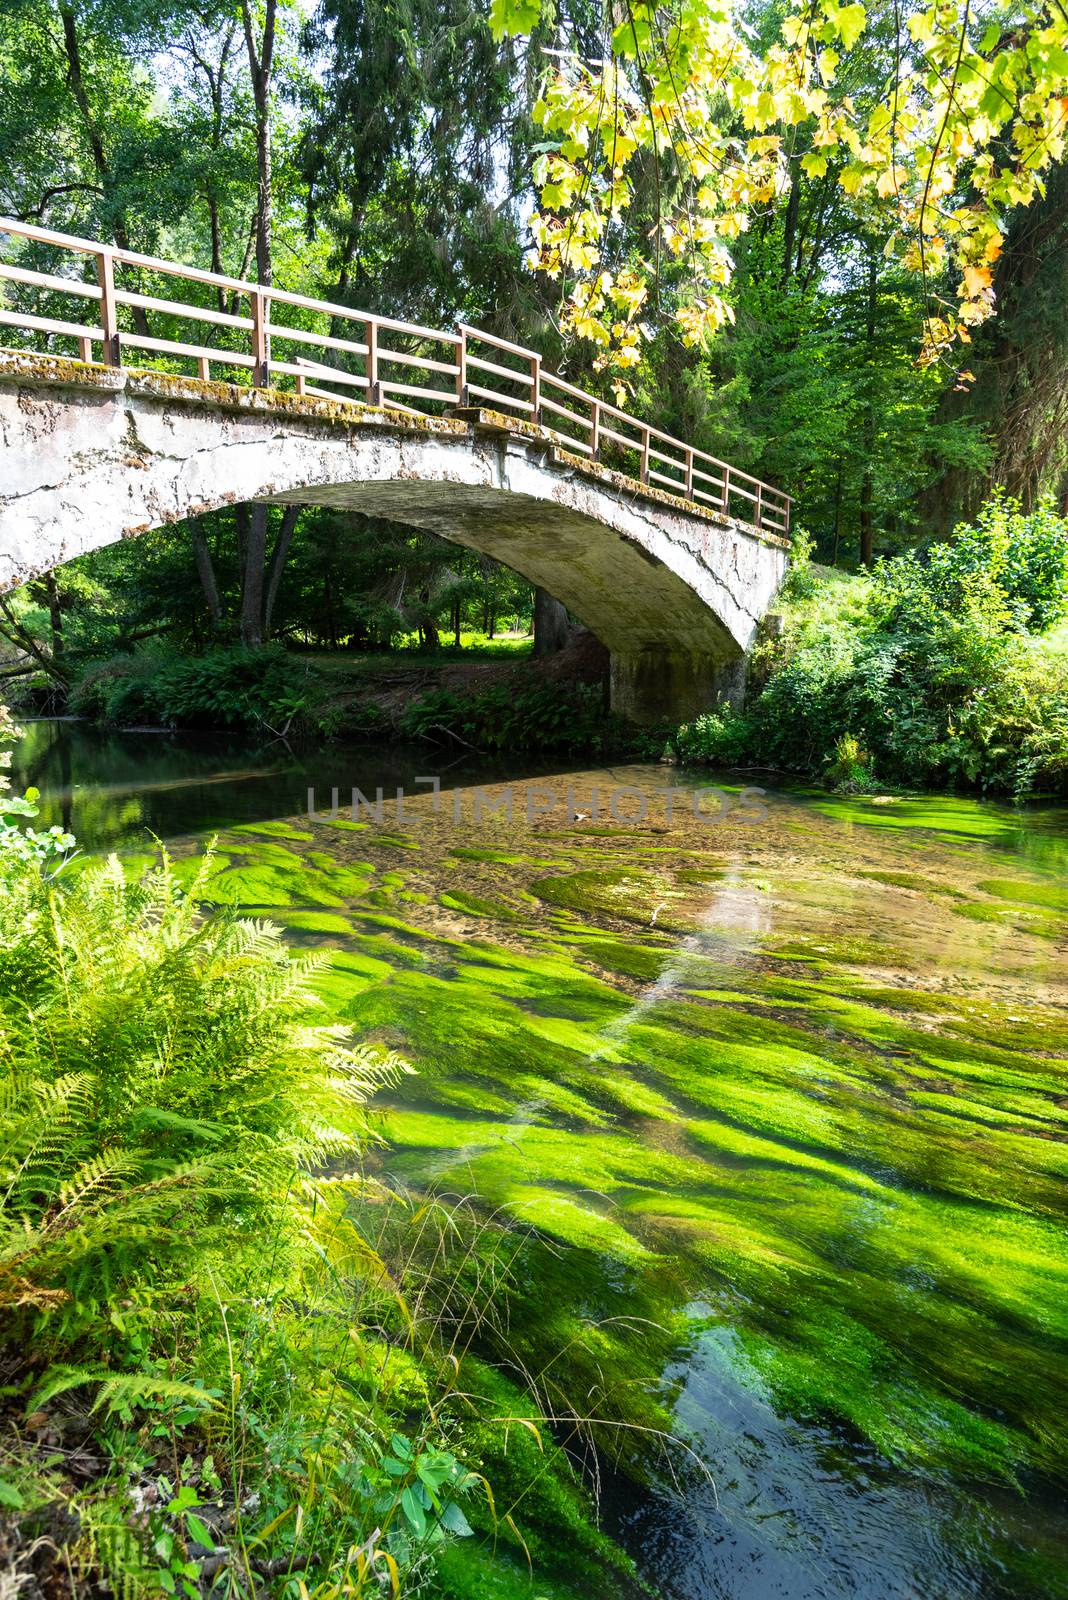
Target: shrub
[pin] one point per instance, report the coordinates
(851, 770)
(232, 687)
(719, 737)
(1011, 565)
(801, 580)
(546, 717)
(930, 674)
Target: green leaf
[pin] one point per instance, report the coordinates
(186, 1497)
(454, 1520)
(510, 17)
(851, 23)
(10, 1496)
(199, 1531)
(413, 1511)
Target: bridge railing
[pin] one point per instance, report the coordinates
(125, 303)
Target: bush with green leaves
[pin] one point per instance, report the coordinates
(1010, 563)
(928, 669)
(543, 717)
(721, 737)
(265, 690)
(801, 579)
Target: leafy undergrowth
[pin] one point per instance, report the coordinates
(270, 693)
(231, 1362)
(938, 671)
(549, 717)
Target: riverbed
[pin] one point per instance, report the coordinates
(777, 1081)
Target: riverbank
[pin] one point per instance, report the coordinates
(940, 671)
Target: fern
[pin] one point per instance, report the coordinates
(111, 1546)
(113, 1387)
(164, 1101)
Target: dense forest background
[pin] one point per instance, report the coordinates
(393, 159)
(382, 157)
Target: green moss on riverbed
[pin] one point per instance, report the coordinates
(793, 1079)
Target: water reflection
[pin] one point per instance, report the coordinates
(113, 789)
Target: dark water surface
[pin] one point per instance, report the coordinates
(785, 1094)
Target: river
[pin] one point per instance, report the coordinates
(780, 1082)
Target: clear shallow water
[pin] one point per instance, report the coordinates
(784, 1097)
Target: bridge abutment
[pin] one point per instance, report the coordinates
(663, 685)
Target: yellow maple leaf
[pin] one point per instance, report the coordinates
(976, 279)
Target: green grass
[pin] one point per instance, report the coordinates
(473, 647)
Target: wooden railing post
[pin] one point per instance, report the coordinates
(726, 491)
(759, 507)
(462, 395)
(595, 431)
(374, 389)
(689, 474)
(261, 338)
(109, 315)
(646, 441)
(535, 388)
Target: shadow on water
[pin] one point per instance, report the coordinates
(116, 788)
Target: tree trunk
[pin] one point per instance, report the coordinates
(867, 529)
(867, 532)
(793, 206)
(456, 623)
(55, 615)
(76, 84)
(252, 588)
(278, 561)
(260, 66)
(551, 627)
(206, 573)
(837, 513)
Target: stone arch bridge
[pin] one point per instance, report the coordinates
(669, 556)
(90, 455)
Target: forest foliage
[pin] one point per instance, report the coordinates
(932, 672)
(869, 203)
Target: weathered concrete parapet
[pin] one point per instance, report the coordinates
(90, 455)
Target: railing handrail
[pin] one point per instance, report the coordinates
(772, 506)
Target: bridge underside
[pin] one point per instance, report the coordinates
(91, 455)
(670, 654)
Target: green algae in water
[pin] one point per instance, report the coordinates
(1047, 896)
(274, 830)
(457, 900)
(836, 1115)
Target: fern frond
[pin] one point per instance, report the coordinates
(115, 1386)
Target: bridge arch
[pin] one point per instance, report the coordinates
(94, 454)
